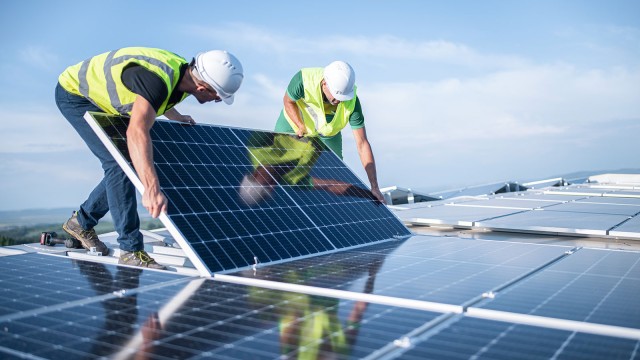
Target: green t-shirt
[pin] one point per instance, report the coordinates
(295, 91)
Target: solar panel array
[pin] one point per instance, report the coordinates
(343, 279)
(546, 302)
(127, 313)
(301, 198)
(585, 209)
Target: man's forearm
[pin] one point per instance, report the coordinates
(173, 114)
(291, 109)
(368, 163)
(141, 152)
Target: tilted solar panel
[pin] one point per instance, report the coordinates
(238, 197)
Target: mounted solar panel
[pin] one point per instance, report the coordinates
(74, 309)
(469, 338)
(446, 270)
(591, 285)
(238, 197)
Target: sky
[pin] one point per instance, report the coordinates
(454, 93)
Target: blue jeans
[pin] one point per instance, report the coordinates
(115, 192)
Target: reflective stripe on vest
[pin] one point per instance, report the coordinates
(311, 107)
(168, 74)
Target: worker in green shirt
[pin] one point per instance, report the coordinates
(321, 102)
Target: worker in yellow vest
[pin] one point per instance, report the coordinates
(321, 102)
(141, 83)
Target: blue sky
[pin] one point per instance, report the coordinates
(454, 93)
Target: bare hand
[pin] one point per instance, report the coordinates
(187, 119)
(154, 201)
(301, 129)
(378, 195)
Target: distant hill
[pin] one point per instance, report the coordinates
(34, 216)
(30, 217)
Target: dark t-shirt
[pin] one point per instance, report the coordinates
(150, 86)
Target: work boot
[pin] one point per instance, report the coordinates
(139, 258)
(88, 238)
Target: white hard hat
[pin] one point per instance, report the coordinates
(340, 79)
(252, 192)
(222, 71)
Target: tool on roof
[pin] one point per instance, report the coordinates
(51, 239)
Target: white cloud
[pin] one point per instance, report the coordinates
(40, 57)
(381, 47)
(35, 130)
(534, 101)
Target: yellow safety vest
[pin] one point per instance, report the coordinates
(99, 78)
(311, 107)
(293, 158)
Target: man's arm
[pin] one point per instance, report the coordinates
(174, 114)
(291, 108)
(139, 144)
(368, 162)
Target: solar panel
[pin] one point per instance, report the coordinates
(445, 270)
(557, 222)
(596, 208)
(630, 228)
(153, 314)
(469, 338)
(455, 215)
(33, 281)
(590, 285)
(238, 197)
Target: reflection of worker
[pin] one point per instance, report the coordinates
(320, 102)
(286, 160)
(309, 324)
(142, 83)
(121, 312)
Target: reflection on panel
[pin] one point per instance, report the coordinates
(237, 197)
(451, 271)
(208, 319)
(33, 281)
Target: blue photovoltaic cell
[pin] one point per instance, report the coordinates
(33, 281)
(595, 286)
(446, 270)
(203, 318)
(240, 196)
(471, 338)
